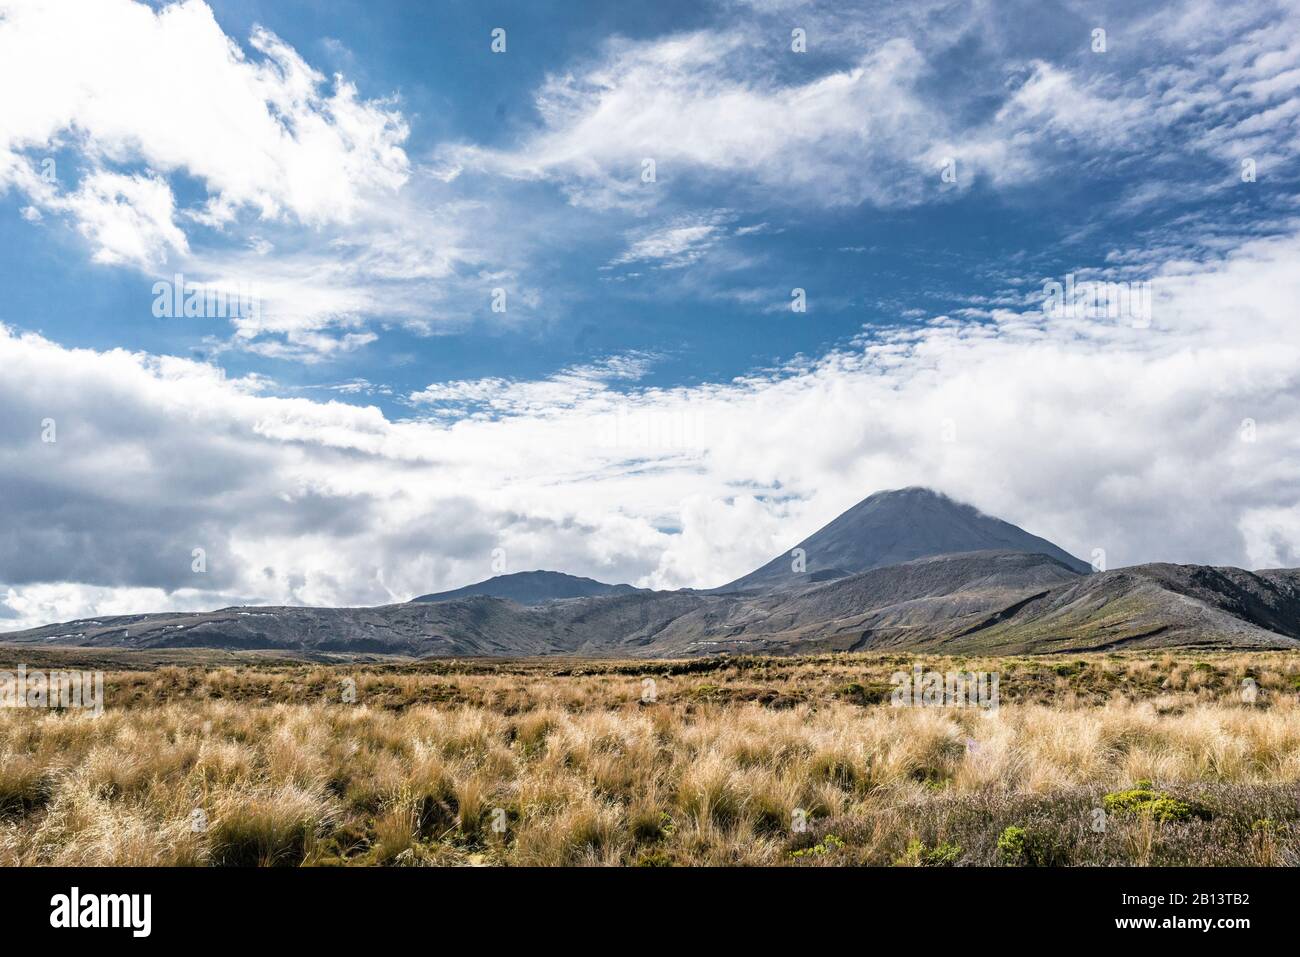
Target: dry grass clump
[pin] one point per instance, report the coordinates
(750, 761)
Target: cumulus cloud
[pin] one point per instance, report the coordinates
(675, 245)
(722, 105)
(122, 82)
(309, 194)
(494, 396)
(121, 100)
(1092, 431)
(128, 219)
(1168, 439)
(859, 134)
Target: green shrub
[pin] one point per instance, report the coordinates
(827, 845)
(1027, 847)
(1146, 801)
(1013, 845)
(1266, 825)
(943, 854)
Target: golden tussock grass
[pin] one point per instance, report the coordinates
(745, 761)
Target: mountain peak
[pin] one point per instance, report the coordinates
(894, 526)
(531, 588)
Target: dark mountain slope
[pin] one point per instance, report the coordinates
(927, 599)
(991, 602)
(479, 625)
(858, 593)
(1152, 606)
(531, 588)
(892, 527)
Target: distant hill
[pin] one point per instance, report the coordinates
(531, 588)
(1027, 598)
(977, 602)
(892, 527)
(1153, 606)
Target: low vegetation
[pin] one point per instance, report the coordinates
(1150, 759)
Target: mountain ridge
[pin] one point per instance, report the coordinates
(895, 526)
(983, 602)
(531, 588)
(1032, 597)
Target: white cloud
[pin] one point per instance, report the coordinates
(311, 197)
(128, 219)
(677, 244)
(495, 396)
(123, 83)
(722, 105)
(860, 134)
(307, 185)
(1091, 432)
(1053, 98)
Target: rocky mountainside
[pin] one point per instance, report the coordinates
(1027, 598)
(892, 527)
(1156, 605)
(532, 588)
(990, 602)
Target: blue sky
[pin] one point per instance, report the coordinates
(724, 315)
(375, 175)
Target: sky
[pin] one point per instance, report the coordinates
(339, 304)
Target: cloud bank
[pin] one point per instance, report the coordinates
(1176, 441)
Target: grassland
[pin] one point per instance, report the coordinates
(239, 759)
